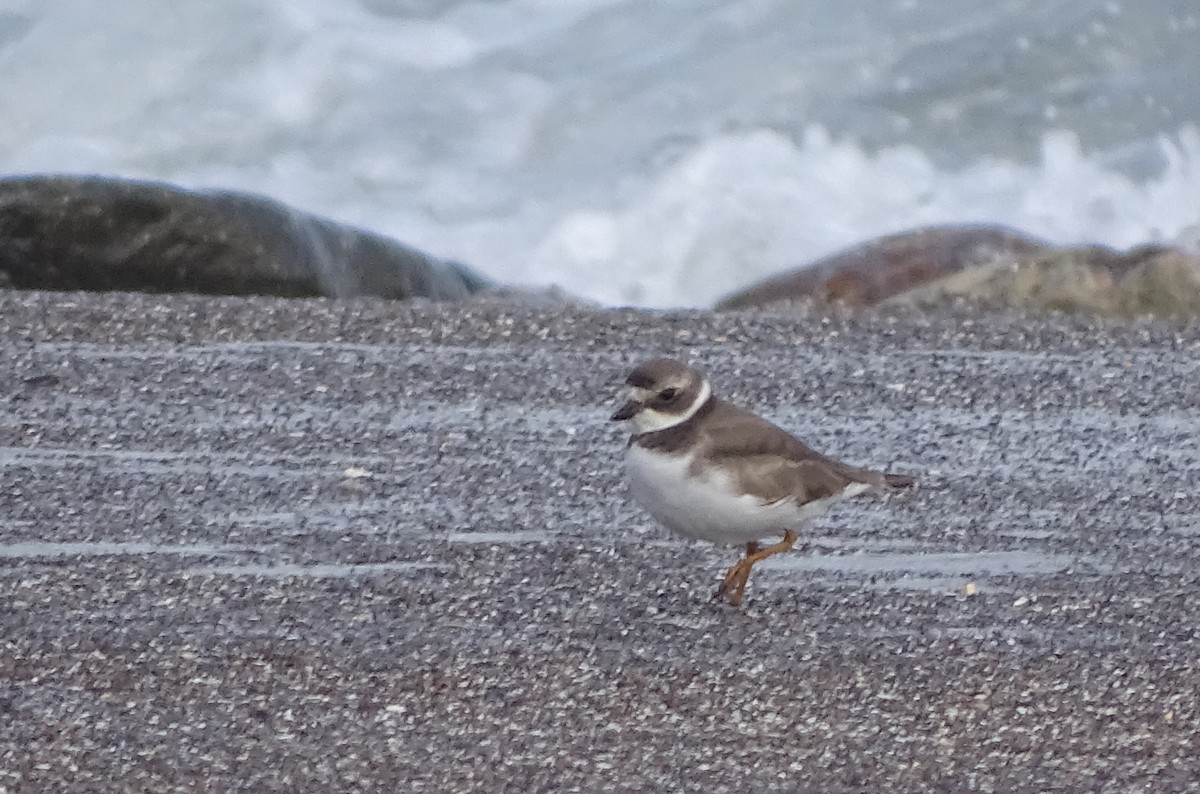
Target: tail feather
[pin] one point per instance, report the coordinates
(899, 480)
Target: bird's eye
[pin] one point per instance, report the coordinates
(669, 394)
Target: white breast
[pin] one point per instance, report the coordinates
(708, 506)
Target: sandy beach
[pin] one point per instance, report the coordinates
(311, 545)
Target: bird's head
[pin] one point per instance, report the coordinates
(662, 393)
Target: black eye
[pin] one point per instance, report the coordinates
(669, 394)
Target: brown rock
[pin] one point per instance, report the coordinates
(874, 271)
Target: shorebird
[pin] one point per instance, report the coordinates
(707, 469)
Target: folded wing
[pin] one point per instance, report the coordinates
(775, 465)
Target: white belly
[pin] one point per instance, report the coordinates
(707, 506)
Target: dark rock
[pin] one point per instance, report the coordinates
(871, 272)
(98, 233)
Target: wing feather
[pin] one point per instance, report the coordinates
(767, 460)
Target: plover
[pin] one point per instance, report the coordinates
(706, 469)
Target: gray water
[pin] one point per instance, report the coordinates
(647, 153)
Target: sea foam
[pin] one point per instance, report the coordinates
(633, 153)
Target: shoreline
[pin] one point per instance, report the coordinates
(289, 544)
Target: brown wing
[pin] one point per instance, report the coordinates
(773, 463)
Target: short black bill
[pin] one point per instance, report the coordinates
(626, 411)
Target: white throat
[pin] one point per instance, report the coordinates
(649, 420)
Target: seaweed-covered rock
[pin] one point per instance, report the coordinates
(99, 233)
(1090, 279)
(1167, 283)
(991, 266)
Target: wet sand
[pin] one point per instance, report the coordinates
(270, 545)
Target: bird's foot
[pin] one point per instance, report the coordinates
(733, 585)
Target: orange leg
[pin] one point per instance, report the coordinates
(731, 576)
(734, 583)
